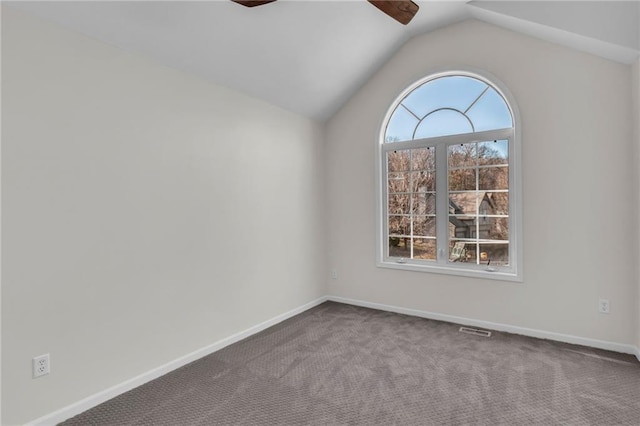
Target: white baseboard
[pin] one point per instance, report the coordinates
(567, 338)
(105, 395)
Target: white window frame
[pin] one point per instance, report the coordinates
(512, 272)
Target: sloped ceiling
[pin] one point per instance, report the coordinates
(310, 56)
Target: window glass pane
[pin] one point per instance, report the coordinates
(463, 155)
(479, 253)
(485, 207)
(398, 182)
(472, 252)
(423, 159)
(424, 248)
(448, 106)
(492, 153)
(490, 178)
(462, 180)
(463, 226)
(442, 123)
(424, 203)
(398, 161)
(424, 226)
(423, 181)
(460, 251)
(464, 203)
(401, 126)
(457, 92)
(399, 203)
(498, 254)
(399, 225)
(493, 228)
(490, 112)
(499, 203)
(399, 247)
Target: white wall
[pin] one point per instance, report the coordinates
(636, 83)
(577, 187)
(146, 214)
(636, 115)
(608, 21)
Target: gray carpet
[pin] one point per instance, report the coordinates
(343, 365)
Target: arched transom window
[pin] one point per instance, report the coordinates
(448, 188)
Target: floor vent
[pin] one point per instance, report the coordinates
(475, 331)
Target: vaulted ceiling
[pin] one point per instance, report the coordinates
(310, 56)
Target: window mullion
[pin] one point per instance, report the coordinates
(411, 200)
(477, 212)
(385, 204)
(442, 204)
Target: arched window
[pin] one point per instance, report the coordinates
(449, 179)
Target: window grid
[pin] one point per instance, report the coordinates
(481, 257)
(417, 177)
(482, 186)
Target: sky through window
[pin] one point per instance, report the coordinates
(448, 105)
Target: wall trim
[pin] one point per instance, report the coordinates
(107, 394)
(540, 334)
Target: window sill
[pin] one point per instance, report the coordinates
(496, 274)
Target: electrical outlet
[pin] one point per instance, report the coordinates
(41, 365)
(603, 306)
(334, 274)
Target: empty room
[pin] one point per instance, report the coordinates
(328, 212)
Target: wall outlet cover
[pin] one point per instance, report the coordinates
(41, 365)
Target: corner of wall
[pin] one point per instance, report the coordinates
(635, 100)
(635, 77)
(1, 8)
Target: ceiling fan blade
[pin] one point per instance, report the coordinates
(252, 3)
(402, 11)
